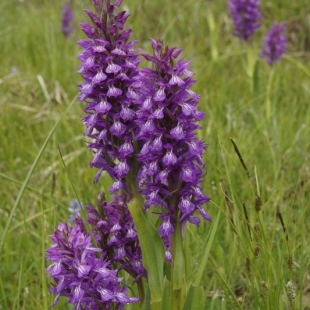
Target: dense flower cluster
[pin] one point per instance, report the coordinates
(114, 229)
(170, 156)
(246, 15)
(142, 121)
(82, 272)
(109, 68)
(274, 43)
(67, 17)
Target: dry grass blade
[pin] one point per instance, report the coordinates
(240, 157)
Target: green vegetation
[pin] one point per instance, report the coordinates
(252, 263)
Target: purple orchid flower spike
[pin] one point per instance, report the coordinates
(82, 272)
(67, 17)
(246, 16)
(109, 66)
(170, 157)
(114, 230)
(274, 43)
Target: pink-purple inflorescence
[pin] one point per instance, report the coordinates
(67, 17)
(114, 229)
(170, 157)
(85, 266)
(142, 122)
(274, 43)
(141, 125)
(109, 67)
(246, 16)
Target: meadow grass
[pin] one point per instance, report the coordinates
(257, 253)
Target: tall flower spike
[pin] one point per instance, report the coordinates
(109, 67)
(114, 230)
(170, 161)
(86, 279)
(274, 43)
(67, 17)
(246, 16)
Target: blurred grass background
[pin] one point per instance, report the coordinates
(38, 80)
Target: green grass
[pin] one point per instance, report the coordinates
(245, 270)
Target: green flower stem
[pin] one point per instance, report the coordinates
(141, 291)
(213, 33)
(268, 93)
(250, 65)
(178, 268)
(152, 250)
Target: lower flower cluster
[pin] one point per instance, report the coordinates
(84, 268)
(114, 229)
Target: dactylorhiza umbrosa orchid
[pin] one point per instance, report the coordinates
(246, 16)
(274, 43)
(141, 124)
(84, 263)
(67, 17)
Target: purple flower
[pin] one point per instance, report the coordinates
(114, 230)
(142, 124)
(246, 16)
(274, 43)
(82, 271)
(109, 66)
(170, 157)
(67, 17)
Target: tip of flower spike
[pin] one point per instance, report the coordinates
(275, 44)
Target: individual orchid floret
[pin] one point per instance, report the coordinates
(274, 43)
(82, 272)
(246, 16)
(67, 17)
(109, 66)
(170, 157)
(114, 228)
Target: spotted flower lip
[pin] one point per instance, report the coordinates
(246, 16)
(275, 44)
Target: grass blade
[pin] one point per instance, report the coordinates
(206, 253)
(25, 183)
(43, 280)
(20, 280)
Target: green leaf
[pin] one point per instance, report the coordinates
(152, 252)
(204, 260)
(256, 79)
(215, 269)
(195, 299)
(178, 263)
(213, 34)
(187, 258)
(166, 294)
(146, 305)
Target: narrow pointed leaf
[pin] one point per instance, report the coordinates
(166, 294)
(152, 252)
(204, 260)
(195, 299)
(178, 264)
